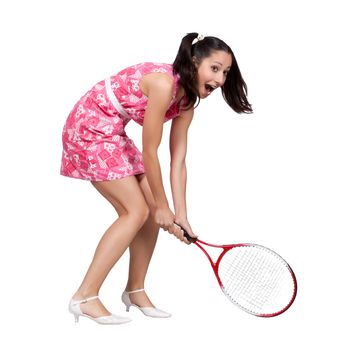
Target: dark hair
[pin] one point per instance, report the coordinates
(234, 89)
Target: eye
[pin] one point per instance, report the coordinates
(214, 68)
(226, 72)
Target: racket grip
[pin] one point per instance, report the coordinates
(186, 235)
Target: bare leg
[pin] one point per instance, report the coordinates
(127, 198)
(141, 250)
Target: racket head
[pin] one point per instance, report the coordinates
(256, 279)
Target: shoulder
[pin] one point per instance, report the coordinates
(157, 81)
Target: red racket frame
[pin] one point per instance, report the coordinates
(226, 248)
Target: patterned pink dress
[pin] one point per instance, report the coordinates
(95, 145)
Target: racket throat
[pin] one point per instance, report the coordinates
(214, 256)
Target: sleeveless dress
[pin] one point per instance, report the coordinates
(95, 144)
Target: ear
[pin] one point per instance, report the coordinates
(195, 60)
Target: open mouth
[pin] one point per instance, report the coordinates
(209, 88)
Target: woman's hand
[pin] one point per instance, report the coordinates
(164, 217)
(183, 222)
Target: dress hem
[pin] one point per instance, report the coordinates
(100, 180)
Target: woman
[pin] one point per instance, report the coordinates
(96, 148)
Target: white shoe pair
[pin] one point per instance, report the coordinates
(74, 308)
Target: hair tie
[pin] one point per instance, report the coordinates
(199, 38)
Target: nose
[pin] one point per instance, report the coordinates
(220, 79)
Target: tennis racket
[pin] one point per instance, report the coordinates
(253, 277)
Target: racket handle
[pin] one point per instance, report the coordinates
(186, 235)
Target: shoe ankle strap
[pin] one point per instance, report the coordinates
(136, 291)
(75, 302)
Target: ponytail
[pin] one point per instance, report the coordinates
(184, 66)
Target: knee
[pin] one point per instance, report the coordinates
(145, 213)
(140, 213)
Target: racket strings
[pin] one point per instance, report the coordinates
(259, 272)
(256, 279)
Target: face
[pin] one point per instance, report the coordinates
(212, 72)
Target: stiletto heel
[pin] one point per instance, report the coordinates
(74, 308)
(147, 311)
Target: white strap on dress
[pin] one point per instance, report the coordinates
(114, 99)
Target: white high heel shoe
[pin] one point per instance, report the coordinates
(147, 311)
(74, 308)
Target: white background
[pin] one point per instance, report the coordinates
(278, 177)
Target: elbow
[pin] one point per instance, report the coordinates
(149, 154)
(177, 163)
(149, 151)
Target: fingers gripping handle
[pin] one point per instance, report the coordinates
(186, 235)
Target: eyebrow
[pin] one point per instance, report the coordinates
(221, 64)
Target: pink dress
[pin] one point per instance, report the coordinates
(95, 145)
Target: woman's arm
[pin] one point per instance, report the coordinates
(178, 173)
(159, 89)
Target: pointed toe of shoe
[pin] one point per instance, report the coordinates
(154, 312)
(112, 319)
